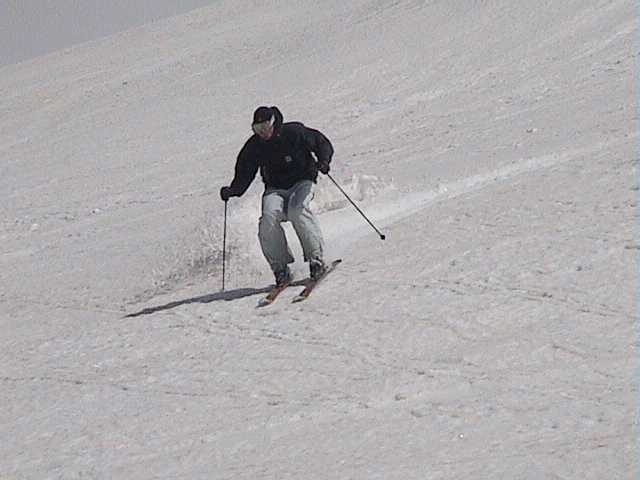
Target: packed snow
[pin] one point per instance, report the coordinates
(492, 335)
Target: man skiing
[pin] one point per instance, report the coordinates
(284, 154)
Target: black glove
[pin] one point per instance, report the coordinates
(226, 193)
(323, 166)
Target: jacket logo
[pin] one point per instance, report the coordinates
(288, 159)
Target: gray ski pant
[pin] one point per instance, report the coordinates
(289, 205)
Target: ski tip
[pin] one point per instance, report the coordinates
(263, 302)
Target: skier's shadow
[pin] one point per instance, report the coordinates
(209, 298)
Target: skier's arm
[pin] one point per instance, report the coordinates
(245, 172)
(320, 145)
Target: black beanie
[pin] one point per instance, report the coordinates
(262, 114)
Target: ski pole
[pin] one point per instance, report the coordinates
(382, 236)
(224, 246)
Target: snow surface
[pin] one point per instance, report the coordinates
(491, 336)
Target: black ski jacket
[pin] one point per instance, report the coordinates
(283, 160)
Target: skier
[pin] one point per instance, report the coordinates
(284, 154)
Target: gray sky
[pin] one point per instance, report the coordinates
(29, 28)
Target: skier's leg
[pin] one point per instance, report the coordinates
(304, 221)
(272, 237)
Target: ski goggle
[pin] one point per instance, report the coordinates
(263, 128)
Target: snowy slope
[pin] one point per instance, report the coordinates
(490, 336)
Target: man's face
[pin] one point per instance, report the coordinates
(264, 129)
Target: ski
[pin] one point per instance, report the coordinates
(272, 295)
(311, 284)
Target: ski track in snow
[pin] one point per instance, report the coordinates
(387, 212)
